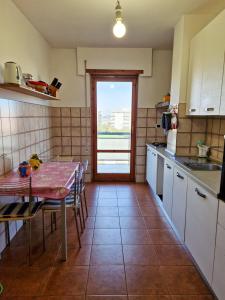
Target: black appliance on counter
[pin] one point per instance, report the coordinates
(221, 194)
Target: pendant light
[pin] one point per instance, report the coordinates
(119, 29)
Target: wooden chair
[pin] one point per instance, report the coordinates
(72, 201)
(16, 211)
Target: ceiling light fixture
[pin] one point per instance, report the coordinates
(119, 29)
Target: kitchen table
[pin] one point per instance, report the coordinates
(52, 180)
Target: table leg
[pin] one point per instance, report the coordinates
(63, 230)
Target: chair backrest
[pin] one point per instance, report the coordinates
(78, 175)
(18, 187)
(84, 165)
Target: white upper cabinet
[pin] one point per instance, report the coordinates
(222, 102)
(195, 75)
(206, 70)
(213, 61)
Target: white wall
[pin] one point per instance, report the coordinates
(22, 43)
(151, 89)
(115, 59)
(64, 67)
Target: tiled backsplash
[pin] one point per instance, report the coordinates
(215, 137)
(210, 130)
(71, 129)
(24, 129)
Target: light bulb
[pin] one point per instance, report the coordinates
(119, 29)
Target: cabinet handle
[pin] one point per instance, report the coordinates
(179, 176)
(192, 109)
(168, 166)
(210, 109)
(200, 194)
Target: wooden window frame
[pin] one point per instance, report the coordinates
(113, 75)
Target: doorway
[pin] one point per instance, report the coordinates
(114, 106)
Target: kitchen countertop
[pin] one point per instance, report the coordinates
(210, 180)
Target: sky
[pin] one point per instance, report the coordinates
(114, 96)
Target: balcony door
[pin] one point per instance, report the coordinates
(114, 122)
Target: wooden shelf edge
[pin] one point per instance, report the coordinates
(26, 91)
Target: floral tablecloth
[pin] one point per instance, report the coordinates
(51, 180)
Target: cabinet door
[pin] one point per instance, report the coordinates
(148, 163)
(201, 222)
(219, 265)
(221, 214)
(222, 101)
(195, 75)
(168, 188)
(152, 169)
(213, 61)
(179, 201)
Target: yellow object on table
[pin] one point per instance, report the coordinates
(35, 162)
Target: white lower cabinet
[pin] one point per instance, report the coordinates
(201, 223)
(221, 215)
(151, 168)
(219, 264)
(179, 201)
(168, 188)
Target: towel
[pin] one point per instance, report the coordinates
(166, 121)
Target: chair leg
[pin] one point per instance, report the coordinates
(43, 229)
(82, 210)
(81, 225)
(29, 241)
(51, 222)
(77, 228)
(55, 220)
(7, 233)
(85, 202)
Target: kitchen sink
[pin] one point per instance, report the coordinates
(203, 166)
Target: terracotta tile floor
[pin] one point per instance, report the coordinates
(128, 251)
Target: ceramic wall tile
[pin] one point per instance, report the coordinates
(141, 122)
(75, 112)
(185, 125)
(65, 111)
(76, 122)
(199, 125)
(142, 112)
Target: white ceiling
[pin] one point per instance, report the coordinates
(88, 23)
